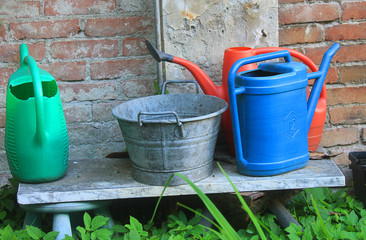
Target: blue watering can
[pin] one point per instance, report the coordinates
(270, 113)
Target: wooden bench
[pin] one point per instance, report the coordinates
(91, 183)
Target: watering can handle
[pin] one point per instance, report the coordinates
(23, 52)
(233, 92)
(38, 95)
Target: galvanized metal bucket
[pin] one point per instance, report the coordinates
(170, 133)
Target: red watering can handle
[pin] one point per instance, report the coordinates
(233, 92)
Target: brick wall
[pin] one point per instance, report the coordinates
(311, 27)
(94, 49)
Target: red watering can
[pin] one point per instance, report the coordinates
(230, 57)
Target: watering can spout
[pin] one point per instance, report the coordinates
(319, 77)
(207, 85)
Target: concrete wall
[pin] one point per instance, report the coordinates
(201, 30)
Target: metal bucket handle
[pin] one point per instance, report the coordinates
(179, 123)
(179, 81)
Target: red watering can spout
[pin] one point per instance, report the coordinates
(207, 85)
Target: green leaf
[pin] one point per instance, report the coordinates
(81, 229)
(34, 233)
(353, 218)
(307, 234)
(363, 231)
(183, 218)
(51, 235)
(87, 221)
(119, 229)
(349, 235)
(98, 222)
(325, 230)
(132, 235)
(294, 229)
(195, 220)
(317, 193)
(103, 234)
(67, 237)
(135, 224)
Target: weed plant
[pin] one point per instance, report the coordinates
(322, 214)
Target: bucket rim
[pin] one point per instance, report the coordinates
(184, 120)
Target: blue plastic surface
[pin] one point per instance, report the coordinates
(270, 113)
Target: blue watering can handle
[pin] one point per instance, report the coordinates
(38, 95)
(233, 92)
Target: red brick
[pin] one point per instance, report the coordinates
(346, 95)
(293, 35)
(88, 91)
(66, 71)
(2, 32)
(344, 31)
(300, 13)
(5, 73)
(118, 26)
(353, 74)
(342, 157)
(118, 68)
(348, 115)
(134, 47)
(20, 9)
(353, 10)
(339, 136)
(44, 29)
(345, 53)
(84, 48)
(10, 52)
(78, 7)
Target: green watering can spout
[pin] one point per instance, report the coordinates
(38, 96)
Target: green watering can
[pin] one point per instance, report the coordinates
(36, 139)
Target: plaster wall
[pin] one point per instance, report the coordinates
(201, 30)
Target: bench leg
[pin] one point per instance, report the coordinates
(32, 219)
(61, 224)
(284, 217)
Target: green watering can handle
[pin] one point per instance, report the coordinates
(38, 92)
